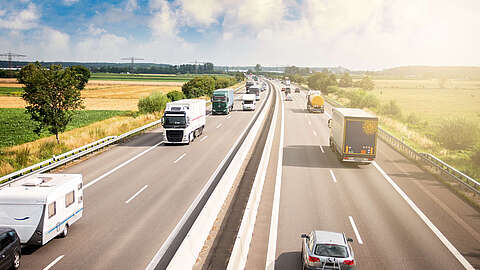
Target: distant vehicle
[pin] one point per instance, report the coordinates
(184, 120)
(255, 89)
(248, 84)
(288, 90)
(297, 90)
(248, 102)
(10, 249)
(327, 250)
(222, 101)
(353, 135)
(264, 86)
(42, 206)
(288, 98)
(315, 102)
(287, 82)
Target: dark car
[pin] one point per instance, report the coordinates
(9, 249)
(297, 90)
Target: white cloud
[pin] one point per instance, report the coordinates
(163, 22)
(93, 30)
(69, 2)
(20, 19)
(131, 5)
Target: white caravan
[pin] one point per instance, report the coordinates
(248, 102)
(42, 206)
(184, 120)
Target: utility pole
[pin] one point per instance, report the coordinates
(196, 65)
(132, 61)
(10, 57)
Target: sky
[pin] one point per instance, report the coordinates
(356, 34)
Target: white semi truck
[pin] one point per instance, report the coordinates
(184, 120)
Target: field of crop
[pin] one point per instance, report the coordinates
(141, 77)
(10, 91)
(16, 127)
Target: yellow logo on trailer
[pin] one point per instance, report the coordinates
(369, 127)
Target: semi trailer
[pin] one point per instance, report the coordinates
(222, 101)
(353, 135)
(315, 101)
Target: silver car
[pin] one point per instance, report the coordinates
(327, 250)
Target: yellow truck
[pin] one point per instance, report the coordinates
(315, 102)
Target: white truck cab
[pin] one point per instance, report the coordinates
(184, 120)
(248, 102)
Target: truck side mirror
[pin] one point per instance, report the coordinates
(350, 240)
(329, 123)
(305, 236)
(162, 121)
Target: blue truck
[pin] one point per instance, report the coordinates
(222, 101)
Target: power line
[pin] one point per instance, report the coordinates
(132, 61)
(10, 57)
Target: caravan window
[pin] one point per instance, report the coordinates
(52, 209)
(69, 198)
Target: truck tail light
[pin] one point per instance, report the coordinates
(313, 259)
(349, 262)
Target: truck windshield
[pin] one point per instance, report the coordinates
(219, 98)
(328, 250)
(248, 102)
(173, 120)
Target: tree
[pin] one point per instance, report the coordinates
(175, 95)
(199, 86)
(52, 95)
(258, 68)
(367, 84)
(84, 75)
(155, 103)
(345, 81)
(321, 80)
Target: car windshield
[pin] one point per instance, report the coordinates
(328, 250)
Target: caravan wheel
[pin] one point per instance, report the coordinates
(65, 231)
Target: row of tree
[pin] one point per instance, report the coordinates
(325, 80)
(205, 85)
(207, 68)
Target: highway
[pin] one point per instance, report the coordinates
(135, 194)
(317, 192)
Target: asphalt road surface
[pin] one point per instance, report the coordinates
(135, 194)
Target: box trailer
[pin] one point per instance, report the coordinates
(42, 206)
(255, 89)
(222, 101)
(353, 135)
(184, 120)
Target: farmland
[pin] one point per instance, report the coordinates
(16, 127)
(141, 77)
(10, 91)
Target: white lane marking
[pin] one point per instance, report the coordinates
(120, 166)
(219, 125)
(333, 176)
(329, 116)
(54, 262)
(136, 194)
(179, 158)
(425, 219)
(321, 148)
(314, 133)
(228, 117)
(204, 138)
(355, 230)
(272, 237)
(309, 122)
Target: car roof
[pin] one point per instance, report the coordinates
(325, 237)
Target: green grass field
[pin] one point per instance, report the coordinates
(11, 91)
(16, 127)
(141, 77)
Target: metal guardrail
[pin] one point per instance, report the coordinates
(64, 158)
(433, 164)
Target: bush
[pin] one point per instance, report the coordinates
(457, 133)
(361, 99)
(391, 109)
(175, 95)
(331, 89)
(223, 82)
(199, 86)
(155, 103)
